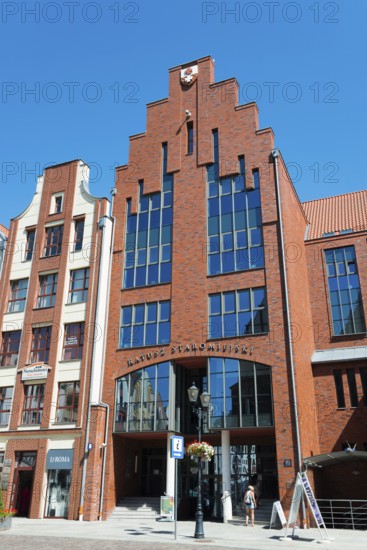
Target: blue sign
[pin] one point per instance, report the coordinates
(177, 446)
(60, 459)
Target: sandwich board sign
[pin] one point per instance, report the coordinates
(277, 509)
(302, 486)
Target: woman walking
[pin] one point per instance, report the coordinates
(250, 503)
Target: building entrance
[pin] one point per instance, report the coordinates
(23, 483)
(153, 472)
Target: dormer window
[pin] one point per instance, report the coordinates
(57, 203)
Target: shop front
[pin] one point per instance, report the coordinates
(58, 466)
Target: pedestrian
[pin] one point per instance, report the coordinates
(250, 504)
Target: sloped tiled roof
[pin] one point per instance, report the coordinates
(4, 230)
(335, 214)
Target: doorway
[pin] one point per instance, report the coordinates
(153, 472)
(23, 482)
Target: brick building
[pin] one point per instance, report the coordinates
(53, 313)
(220, 276)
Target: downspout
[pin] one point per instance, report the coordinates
(104, 444)
(87, 429)
(275, 154)
(101, 226)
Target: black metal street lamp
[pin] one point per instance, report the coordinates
(198, 408)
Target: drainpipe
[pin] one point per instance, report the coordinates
(104, 444)
(275, 154)
(101, 226)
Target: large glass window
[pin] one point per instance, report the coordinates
(67, 402)
(145, 324)
(58, 494)
(6, 395)
(79, 283)
(148, 256)
(53, 242)
(238, 313)
(235, 241)
(10, 348)
(240, 392)
(344, 291)
(142, 400)
(47, 290)
(18, 295)
(33, 403)
(40, 347)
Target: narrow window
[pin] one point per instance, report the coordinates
(33, 403)
(338, 379)
(30, 245)
(47, 290)
(190, 137)
(67, 402)
(6, 395)
(353, 394)
(79, 283)
(58, 204)
(73, 342)
(10, 348)
(40, 347)
(53, 241)
(79, 232)
(18, 295)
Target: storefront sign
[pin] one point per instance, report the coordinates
(183, 349)
(35, 372)
(59, 459)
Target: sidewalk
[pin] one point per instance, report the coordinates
(58, 534)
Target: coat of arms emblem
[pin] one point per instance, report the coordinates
(189, 75)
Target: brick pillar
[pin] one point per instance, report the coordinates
(93, 481)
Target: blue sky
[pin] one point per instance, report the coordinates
(76, 77)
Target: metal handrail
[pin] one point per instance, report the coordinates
(344, 513)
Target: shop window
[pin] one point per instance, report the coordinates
(235, 241)
(53, 241)
(142, 400)
(338, 379)
(40, 347)
(238, 313)
(10, 348)
(145, 324)
(67, 402)
(18, 295)
(148, 246)
(73, 341)
(6, 395)
(79, 283)
(79, 233)
(31, 235)
(353, 394)
(58, 493)
(47, 290)
(33, 404)
(344, 291)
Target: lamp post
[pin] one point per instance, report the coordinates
(198, 407)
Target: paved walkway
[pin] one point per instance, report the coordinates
(56, 534)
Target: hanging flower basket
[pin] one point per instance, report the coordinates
(201, 450)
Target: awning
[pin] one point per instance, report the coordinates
(338, 457)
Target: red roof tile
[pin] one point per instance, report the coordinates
(335, 214)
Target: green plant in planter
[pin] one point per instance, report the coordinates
(5, 514)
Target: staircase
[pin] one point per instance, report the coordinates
(136, 508)
(262, 514)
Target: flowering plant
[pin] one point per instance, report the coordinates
(3, 512)
(201, 450)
